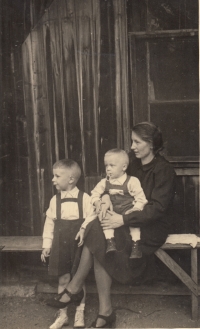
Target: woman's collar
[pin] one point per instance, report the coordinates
(150, 164)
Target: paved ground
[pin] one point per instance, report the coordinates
(133, 311)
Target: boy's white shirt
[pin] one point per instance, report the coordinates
(133, 186)
(69, 211)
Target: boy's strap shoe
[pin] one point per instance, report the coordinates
(79, 320)
(61, 319)
(135, 252)
(111, 246)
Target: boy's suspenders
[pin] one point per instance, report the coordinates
(120, 187)
(79, 200)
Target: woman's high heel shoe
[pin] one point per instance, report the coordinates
(74, 298)
(109, 321)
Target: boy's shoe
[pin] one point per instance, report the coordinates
(135, 252)
(61, 320)
(79, 320)
(111, 246)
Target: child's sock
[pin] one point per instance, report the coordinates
(135, 233)
(109, 234)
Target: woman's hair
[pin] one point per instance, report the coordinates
(149, 133)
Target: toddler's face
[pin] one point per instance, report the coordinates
(115, 165)
(61, 178)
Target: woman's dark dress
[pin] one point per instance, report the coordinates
(157, 179)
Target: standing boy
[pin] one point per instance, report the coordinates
(69, 212)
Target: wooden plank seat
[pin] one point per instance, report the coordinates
(34, 244)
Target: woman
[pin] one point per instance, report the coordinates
(157, 178)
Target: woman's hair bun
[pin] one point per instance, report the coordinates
(149, 132)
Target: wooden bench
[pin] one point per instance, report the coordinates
(34, 244)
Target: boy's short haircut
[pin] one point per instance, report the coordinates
(69, 164)
(119, 152)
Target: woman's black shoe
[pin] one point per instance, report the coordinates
(74, 298)
(109, 321)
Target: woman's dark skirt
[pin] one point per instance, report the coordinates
(118, 264)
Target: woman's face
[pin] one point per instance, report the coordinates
(143, 150)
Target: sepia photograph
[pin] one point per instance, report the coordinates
(99, 164)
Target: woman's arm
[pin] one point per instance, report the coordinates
(161, 197)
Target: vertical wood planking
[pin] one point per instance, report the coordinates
(121, 93)
(148, 81)
(118, 74)
(124, 52)
(44, 124)
(49, 86)
(36, 107)
(56, 61)
(70, 80)
(78, 60)
(95, 47)
(44, 150)
(28, 101)
(195, 181)
(60, 10)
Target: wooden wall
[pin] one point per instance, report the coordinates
(66, 94)
(75, 82)
(17, 19)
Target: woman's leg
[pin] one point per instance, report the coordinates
(63, 282)
(78, 280)
(103, 282)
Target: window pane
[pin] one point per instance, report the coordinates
(179, 124)
(155, 15)
(174, 68)
(172, 14)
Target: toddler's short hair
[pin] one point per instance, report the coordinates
(123, 154)
(69, 164)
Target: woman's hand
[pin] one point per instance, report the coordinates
(112, 220)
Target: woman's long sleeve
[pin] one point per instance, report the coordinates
(161, 197)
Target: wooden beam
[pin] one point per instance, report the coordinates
(21, 243)
(177, 270)
(194, 276)
(174, 101)
(166, 33)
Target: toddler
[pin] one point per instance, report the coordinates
(126, 195)
(69, 212)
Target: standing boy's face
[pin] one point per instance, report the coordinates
(62, 178)
(115, 165)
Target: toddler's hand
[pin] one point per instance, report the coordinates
(45, 253)
(80, 235)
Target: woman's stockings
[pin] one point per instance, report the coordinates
(78, 280)
(103, 282)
